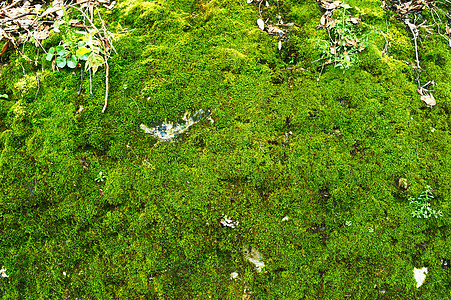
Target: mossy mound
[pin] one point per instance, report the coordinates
(328, 155)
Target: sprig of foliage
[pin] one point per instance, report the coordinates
(85, 46)
(63, 57)
(100, 177)
(93, 49)
(422, 206)
(345, 41)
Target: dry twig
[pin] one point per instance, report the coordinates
(107, 70)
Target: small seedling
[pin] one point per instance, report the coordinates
(422, 206)
(100, 177)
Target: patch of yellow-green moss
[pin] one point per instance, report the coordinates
(327, 154)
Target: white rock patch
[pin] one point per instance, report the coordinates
(420, 275)
(226, 222)
(254, 257)
(168, 131)
(3, 272)
(233, 275)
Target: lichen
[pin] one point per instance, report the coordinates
(168, 131)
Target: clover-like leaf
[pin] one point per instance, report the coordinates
(72, 62)
(83, 53)
(60, 50)
(50, 54)
(61, 61)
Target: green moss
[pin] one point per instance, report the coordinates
(281, 145)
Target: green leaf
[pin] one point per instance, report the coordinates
(83, 53)
(80, 44)
(5, 96)
(84, 57)
(94, 62)
(72, 62)
(56, 25)
(61, 61)
(60, 50)
(50, 54)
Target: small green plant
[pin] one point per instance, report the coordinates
(345, 41)
(422, 206)
(77, 46)
(100, 177)
(64, 57)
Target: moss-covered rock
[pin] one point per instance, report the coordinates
(308, 168)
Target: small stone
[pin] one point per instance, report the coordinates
(419, 275)
(233, 275)
(445, 263)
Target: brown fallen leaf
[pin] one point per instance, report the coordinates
(429, 100)
(50, 10)
(326, 20)
(261, 24)
(323, 20)
(24, 23)
(275, 30)
(351, 42)
(333, 50)
(5, 47)
(40, 35)
(355, 20)
(330, 5)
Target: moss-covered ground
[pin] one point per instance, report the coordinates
(327, 155)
